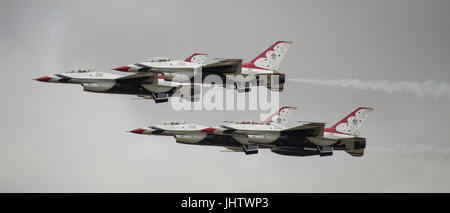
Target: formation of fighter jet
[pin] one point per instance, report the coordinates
(161, 77)
(309, 138)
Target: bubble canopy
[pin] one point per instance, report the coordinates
(161, 59)
(248, 122)
(81, 70)
(174, 122)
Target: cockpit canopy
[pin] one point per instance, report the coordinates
(161, 59)
(81, 70)
(249, 122)
(174, 122)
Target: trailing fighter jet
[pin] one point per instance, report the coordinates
(145, 85)
(309, 138)
(261, 71)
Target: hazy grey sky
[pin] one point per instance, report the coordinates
(56, 138)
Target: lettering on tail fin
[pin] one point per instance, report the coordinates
(351, 124)
(281, 117)
(271, 58)
(198, 58)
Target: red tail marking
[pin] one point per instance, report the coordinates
(195, 54)
(332, 129)
(269, 119)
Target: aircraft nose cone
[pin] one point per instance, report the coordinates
(122, 68)
(43, 79)
(208, 130)
(137, 131)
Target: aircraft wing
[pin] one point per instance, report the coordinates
(137, 76)
(92, 76)
(181, 132)
(143, 68)
(224, 66)
(310, 129)
(171, 69)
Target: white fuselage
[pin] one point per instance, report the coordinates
(185, 133)
(173, 129)
(188, 66)
(87, 77)
(164, 65)
(103, 81)
(255, 127)
(170, 69)
(94, 76)
(251, 133)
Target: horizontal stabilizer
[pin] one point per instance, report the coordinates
(354, 146)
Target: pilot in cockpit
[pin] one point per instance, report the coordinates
(161, 59)
(81, 70)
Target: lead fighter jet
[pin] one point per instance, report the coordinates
(309, 138)
(145, 85)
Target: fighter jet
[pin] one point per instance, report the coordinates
(161, 77)
(144, 85)
(307, 139)
(261, 71)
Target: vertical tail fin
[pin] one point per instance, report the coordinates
(271, 58)
(198, 58)
(281, 116)
(352, 123)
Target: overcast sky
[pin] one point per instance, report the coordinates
(57, 138)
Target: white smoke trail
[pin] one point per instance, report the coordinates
(425, 151)
(428, 88)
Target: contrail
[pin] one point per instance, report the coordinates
(428, 88)
(424, 151)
